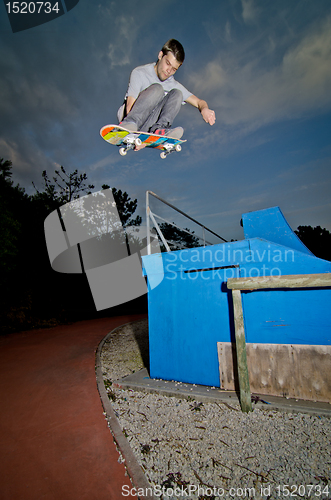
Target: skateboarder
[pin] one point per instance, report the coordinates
(154, 97)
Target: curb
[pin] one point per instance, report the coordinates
(134, 470)
(140, 381)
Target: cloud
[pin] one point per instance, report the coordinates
(34, 98)
(259, 93)
(119, 51)
(250, 11)
(100, 164)
(307, 68)
(23, 155)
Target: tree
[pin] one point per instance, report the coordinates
(69, 186)
(5, 169)
(177, 238)
(125, 207)
(36, 296)
(13, 202)
(316, 239)
(66, 187)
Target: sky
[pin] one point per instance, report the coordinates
(263, 66)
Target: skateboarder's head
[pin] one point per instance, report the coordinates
(176, 48)
(170, 58)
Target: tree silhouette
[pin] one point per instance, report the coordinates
(36, 296)
(125, 207)
(69, 186)
(178, 239)
(316, 239)
(12, 201)
(66, 187)
(5, 169)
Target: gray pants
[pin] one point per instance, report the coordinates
(152, 109)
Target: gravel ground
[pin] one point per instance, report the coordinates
(195, 450)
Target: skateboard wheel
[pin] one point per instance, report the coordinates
(137, 142)
(123, 151)
(163, 155)
(178, 147)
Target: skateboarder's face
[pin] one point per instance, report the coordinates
(166, 65)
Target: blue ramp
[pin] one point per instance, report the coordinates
(190, 308)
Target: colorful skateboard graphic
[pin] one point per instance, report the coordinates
(126, 140)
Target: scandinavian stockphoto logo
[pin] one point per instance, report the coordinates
(87, 236)
(26, 15)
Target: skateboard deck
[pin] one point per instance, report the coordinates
(126, 140)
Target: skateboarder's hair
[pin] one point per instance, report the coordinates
(175, 48)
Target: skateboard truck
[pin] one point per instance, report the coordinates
(130, 142)
(170, 148)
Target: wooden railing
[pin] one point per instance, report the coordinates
(258, 283)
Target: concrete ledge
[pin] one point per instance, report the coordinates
(140, 381)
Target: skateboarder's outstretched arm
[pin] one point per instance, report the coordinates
(207, 114)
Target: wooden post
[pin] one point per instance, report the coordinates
(320, 280)
(244, 388)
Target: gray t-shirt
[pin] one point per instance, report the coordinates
(144, 76)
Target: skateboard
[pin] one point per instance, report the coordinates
(126, 140)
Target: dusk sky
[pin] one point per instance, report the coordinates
(264, 67)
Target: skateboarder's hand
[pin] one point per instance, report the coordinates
(209, 116)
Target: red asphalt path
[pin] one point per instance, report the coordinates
(54, 439)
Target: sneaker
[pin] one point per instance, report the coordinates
(131, 126)
(174, 133)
